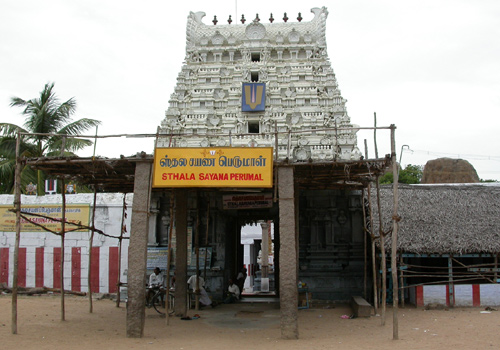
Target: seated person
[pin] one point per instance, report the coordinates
(204, 298)
(240, 280)
(155, 282)
(233, 293)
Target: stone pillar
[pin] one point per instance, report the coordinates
(137, 252)
(264, 279)
(288, 255)
(181, 212)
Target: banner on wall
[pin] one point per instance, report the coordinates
(76, 213)
(247, 167)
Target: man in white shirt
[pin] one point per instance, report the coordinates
(155, 282)
(156, 278)
(233, 293)
(204, 298)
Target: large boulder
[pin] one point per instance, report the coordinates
(447, 170)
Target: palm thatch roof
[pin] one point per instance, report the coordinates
(443, 219)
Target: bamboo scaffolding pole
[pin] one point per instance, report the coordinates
(394, 246)
(476, 273)
(401, 281)
(495, 277)
(63, 227)
(122, 230)
(375, 133)
(206, 241)
(156, 135)
(443, 282)
(91, 242)
(17, 204)
(169, 251)
(451, 294)
(383, 263)
(374, 255)
(365, 248)
(78, 226)
(197, 252)
(475, 277)
(441, 267)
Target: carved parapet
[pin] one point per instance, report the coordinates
(311, 33)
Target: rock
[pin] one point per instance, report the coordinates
(447, 170)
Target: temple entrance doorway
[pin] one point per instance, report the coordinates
(257, 241)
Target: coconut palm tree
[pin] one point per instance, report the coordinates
(47, 120)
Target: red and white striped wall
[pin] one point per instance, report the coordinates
(462, 295)
(41, 267)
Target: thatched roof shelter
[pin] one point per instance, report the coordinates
(444, 219)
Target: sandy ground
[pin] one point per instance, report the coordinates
(240, 326)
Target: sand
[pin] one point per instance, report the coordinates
(240, 326)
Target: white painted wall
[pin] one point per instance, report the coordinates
(108, 219)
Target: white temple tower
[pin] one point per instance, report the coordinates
(216, 98)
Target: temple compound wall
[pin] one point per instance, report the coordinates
(40, 251)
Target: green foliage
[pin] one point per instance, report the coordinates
(387, 178)
(487, 180)
(46, 119)
(412, 174)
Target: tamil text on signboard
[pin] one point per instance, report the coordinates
(77, 214)
(213, 167)
(248, 201)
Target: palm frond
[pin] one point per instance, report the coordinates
(43, 115)
(8, 148)
(8, 129)
(72, 144)
(78, 126)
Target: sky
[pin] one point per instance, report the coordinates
(430, 67)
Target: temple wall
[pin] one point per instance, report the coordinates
(40, 252)
(331, 251)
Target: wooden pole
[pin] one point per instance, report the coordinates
(394, 246)
(451, 299)
(122, 230)
(381, 233)
(401, 280)
(365, 248)
(206, 241)
(375, 133)
(276, 141)
(374, 256)
(289, 146)
(376, 299)
(169, 259)
(91, 240)
(197, 252)
(63, 228)
(383, 263)
(495, 274)
(17, 205)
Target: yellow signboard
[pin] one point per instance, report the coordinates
(74, 213)
(213, 167)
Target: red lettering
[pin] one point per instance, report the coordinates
(178, 177)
